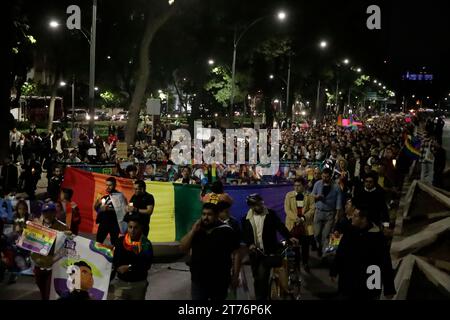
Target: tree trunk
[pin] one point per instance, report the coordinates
(154, 23)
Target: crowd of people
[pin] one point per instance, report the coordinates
(347, 183)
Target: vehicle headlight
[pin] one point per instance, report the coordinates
(88, 117)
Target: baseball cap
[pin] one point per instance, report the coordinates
(50, 206)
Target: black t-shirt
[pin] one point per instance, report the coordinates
(141, 202)
(211, 254)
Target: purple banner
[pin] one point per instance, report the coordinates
(273, 196)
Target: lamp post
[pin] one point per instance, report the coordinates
(323, 44)
(54, 24)
(92, 70)
(281, 16)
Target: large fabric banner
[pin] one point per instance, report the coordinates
(81, 264)
(177, 206)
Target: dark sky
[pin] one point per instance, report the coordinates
(413, 35)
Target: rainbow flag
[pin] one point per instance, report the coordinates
(177, 206)
(412, 147)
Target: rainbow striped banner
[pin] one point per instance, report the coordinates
(177, 206)
(412, 147)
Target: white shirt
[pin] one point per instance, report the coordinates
(259, 223)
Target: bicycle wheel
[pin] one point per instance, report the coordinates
(295, 286)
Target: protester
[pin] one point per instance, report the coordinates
(374, 197)
(440, 162)
(72, 216)
(259, 229)
(141, 203)
(212, 243)
(185, 176)
(9, 177)
(363, 246)
(133, 257)
(54, 185)
(109, 212)
(328, 198)
(217, 194)
(43, 264)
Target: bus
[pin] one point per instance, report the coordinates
(36, 109)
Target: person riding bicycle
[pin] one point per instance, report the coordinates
(259, 231)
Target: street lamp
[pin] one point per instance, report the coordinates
(346, 61)
(62, 84)
(210, 62)
(271, 76)
(358, 70)
(53, 24)
(323, 44)
(281, 17)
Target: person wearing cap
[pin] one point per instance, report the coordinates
(133, 256)
(259, 230)
(43, 264)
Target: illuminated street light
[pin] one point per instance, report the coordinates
(96, 88)
(384, 87)
(62, 84)
(303, 113)
(210, 62)
(281, 15)
(108, 57)
(53, 24)
(323, 44)
(346, 61)
(271, 76)
(375, 81)
(358, 70)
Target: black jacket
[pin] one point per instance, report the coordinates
(358, 250)
(140, 262)
(272, 225)
(376, 204)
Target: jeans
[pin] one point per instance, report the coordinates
(122, 290)
(323, 222)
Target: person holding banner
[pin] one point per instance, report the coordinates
(133, 256)
(111, 211)
(142, 204)
(43, 264)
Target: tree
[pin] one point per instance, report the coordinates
(15, 58)
(220, 86)
(157, 15)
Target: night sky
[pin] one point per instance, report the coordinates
(412, 36)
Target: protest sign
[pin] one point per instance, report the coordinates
(37, 238)
(72, 254)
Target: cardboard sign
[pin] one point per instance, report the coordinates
(122, 150)
(37, 238)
